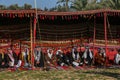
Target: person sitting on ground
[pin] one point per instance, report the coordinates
(88, 56)
(81, 51)
(5, 59)
(75, 57)
(100, 57)
(4, 63)
(26, 57)
(61, 58)
(12, 58)
(117, 58)
(20, 59)
(50, 58)
(67, 61)
(39, 57)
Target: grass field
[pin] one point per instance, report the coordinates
(93, 74)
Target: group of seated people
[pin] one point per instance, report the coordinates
(53, 58)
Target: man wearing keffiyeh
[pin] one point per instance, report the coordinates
(39, 57)
(12, 57)
(88, 56)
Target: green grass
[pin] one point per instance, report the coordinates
(93, 74)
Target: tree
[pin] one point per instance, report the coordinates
(113, 4)
(94, 5)
(53, 9)
(14, 7)
(79, 4)
(2, 7)
(45, 9)
(61, 8)
(27, 6)
(64, 2)
(85, 5)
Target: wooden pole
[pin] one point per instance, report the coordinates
(105, 34)
(35, 22)
(105, 30)
(34, 32)
(34, 40)
(31, 40)
(94, 36)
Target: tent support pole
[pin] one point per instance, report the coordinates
(94, 37)
(105, 30)
(31, 40)
(105, 34)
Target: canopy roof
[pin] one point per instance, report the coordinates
(59, 25)
(57, 13)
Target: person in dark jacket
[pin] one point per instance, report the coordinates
(12, 57)
(62, 59)
(39, 57)
(88, 56)
(3, 59)
(75, 57)
(81, 51)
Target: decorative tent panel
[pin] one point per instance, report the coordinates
(58, 26)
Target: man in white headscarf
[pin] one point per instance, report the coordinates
(61, 58)
(39, 57)
(50, 58)
(26, 55)
(12, 58)
(88, 56)
(75, 57)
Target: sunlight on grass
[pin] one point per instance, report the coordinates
(94, 74)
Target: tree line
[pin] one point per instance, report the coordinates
(16, 7)
(71, 5)
(78, 5)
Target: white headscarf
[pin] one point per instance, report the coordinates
(85, 54)
(49, 54)
(58, 51)
(73, 54)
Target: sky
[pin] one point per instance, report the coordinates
(40, 3)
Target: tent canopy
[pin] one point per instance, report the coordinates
(15, 24)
